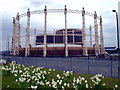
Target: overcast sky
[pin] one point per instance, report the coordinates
(9, 9)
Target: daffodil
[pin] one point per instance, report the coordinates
(116, 86)
(68, 85)
(33, 87)
(16, 80)
(62, 86)
(7, 86)
(65, 84)
(86, 85)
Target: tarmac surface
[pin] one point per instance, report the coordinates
(92, 66)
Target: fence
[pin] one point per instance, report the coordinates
(82, 65)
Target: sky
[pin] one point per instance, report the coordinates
(55, 21)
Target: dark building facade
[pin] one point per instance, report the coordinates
(74, 37)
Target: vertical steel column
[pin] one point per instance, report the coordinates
(97, 51)
(90, 36)
(27, 49)
(66, 40)
(18, 33)
(85, 52)
(35, 36)
(101, 37)
(13, 37)
(45, 42)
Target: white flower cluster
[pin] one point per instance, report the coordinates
(38, 77)
(6, 68)
(67, 73)
(80, 81)
(97, 79)
(58, 76)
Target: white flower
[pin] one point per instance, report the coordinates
(85, 81)
(20, 79)
(48, 72)
(24, 68)
(3, 68)
(67, 72)
(20, 71)
(28, 80)
(50, 69)
(62, 86)
(45, 72)
(58, 76)
(7, 85)
(77, 80)
(36, 79)
(74, 80)
(16, 80)
(116, 86)
(80, 82)
(73, 84)
(86, 85)
(41, 72)
(33, 87)
(11, 71)
(52, 79)
(43, 77)
(15, 75)
(57, 80)
(73, 77)
(60, 83)
(68, 85)
(45, 80)
(41, 83)
(54, 86)
(53, 69)
(65, 84)
(38, 82)
(71, 72)
(16, 71)
(47, 83)
(83, 78)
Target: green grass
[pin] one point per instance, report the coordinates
(9, 79)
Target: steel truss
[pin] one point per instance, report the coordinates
(16, 31)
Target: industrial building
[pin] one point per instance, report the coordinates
(64, 42)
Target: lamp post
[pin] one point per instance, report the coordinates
(117, 33)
